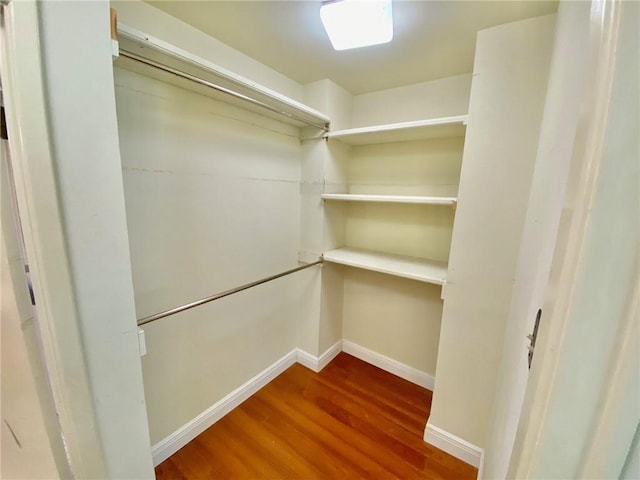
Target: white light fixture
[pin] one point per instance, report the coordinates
(357, 23)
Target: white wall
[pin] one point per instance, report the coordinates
(505, 111)
(213, 202)
(428, 167)
(396, 317)
(329, 97)
(322, 227)
(212, 192)
(438, 98)
(422, 167)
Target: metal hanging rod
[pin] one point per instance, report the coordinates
(228, 91)
(197, 303)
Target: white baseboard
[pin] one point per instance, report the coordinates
(178, 439)
(318, 363)
(388, 364)
(481, 467)
(331, 353)
(459, 448)
(306, 359)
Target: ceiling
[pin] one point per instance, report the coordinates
(432, 39)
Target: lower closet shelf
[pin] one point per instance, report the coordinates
(408, 267)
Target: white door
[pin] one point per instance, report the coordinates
(582, 406)
(27, 408)
(565, 91)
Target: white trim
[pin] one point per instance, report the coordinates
(456, 446)
(307, 360)
(318, 363)
(481, 467)
(331, 353)
(401, 370)
(178, 439)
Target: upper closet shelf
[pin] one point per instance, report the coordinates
(401, 132)
(155, 58)
(408, 267)
(355, 197)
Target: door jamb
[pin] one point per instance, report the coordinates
(44, 237)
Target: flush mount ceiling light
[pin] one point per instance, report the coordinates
(357, 23)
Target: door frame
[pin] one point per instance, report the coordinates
(44, 237)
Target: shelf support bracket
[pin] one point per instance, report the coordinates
(323, 135)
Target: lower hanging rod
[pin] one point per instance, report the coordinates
(217, 296)
(220, 88)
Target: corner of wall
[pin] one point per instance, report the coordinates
(453, 445)
(322, 171)
(444, 97)
(329, 97)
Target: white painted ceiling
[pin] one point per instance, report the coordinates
(432, 39)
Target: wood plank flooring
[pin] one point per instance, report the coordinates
(352, 420)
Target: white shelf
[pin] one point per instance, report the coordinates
(400, 266)
(146, 46)
(424, 200)
(400, 132)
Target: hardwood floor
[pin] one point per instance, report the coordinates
(352, 420)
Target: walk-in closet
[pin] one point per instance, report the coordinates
(388, 188)
(318, 264)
